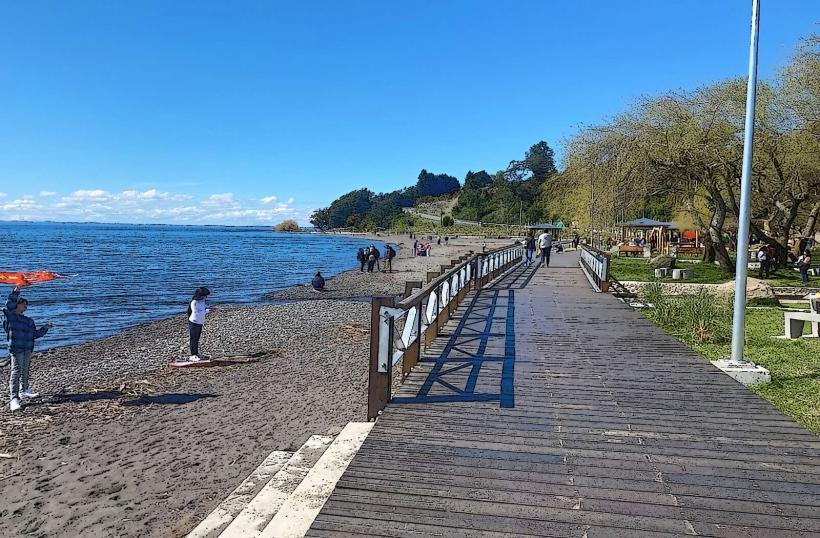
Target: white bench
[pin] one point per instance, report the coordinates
(794, 321)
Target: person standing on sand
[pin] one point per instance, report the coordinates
(530, 247)
(197, 309)
(415, 247)
(389, 255)
(21, 332)
(545, 244)
(361, 255)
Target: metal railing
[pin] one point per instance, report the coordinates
(400, 331)
(595, 264)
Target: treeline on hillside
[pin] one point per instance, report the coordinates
(508, 196)
(678, 157)
(363, 209)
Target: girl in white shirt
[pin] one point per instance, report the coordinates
(196, 319)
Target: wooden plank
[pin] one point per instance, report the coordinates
(617, 430)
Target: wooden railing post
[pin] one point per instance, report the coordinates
(378, 386)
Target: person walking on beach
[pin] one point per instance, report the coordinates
(415, 247)
(197, 309)
(21, 332)
(389, 255)
(529, 246)
(545, 244)
(377, 254)
(362, 257)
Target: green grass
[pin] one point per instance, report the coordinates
(794, 364)
(638, 269)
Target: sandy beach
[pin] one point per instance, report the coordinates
(122, 445)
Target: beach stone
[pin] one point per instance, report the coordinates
(662, 262)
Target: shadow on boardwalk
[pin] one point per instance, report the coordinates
(483, 338)
(545, 409)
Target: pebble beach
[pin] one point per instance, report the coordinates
(122, 445)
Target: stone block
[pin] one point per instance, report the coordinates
(661, 272)
(747, 373)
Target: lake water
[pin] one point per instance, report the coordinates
(124, 275)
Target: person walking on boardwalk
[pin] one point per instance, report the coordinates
(389, 255)
(361, 255)
(530, 248)
(197, 309)
(21, 331)
(545, 244)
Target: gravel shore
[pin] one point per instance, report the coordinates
(121, 445)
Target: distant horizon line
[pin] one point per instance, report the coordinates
(271, 226)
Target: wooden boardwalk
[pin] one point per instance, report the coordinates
(545, 409)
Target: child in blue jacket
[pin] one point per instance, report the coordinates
(21, 332)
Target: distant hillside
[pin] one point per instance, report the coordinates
(510, 196)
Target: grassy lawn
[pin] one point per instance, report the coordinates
(638, 269)
(794, 364)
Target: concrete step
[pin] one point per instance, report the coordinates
(295, 516)
(223, 514)
(261, 509)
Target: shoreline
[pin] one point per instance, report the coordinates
(117, 430)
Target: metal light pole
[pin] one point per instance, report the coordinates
(739, 318)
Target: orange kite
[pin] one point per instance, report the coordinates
(21, 279)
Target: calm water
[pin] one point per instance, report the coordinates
(126, 274)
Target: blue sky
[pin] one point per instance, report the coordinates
(242, 112)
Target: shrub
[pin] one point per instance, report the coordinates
(288, 225)
(653, 293)
(447, 221)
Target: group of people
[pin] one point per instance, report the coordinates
(422, 249)
(370, 257)
(767, 258)
(544, 243)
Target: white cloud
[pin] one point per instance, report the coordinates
(82, 195)
(3, 194)
(151, 206)
(20, 204)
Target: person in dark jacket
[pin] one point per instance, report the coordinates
(530, 248)
(318, 282)
(21, 332)
(362, 257)
(389, 255)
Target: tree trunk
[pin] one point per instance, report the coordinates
(715, 231)
(808, 229)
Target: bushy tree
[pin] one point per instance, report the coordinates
(436, 184)
(288, 225)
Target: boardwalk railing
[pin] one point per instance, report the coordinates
(398, 330)
(595, 264)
